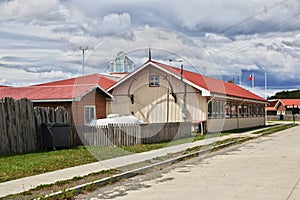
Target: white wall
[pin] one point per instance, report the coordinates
(217, 125)
(156, 104)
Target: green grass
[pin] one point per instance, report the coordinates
(149, 147)
(18, 166)
(274, 129)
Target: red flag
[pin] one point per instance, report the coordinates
(250, 78)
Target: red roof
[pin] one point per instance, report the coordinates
(67, 89)
(271, 105)
(211, 84)
(61, 92)
(290, 102)
(93, 79)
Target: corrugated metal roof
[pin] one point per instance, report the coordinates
(68, 89)
(61, 92)
(271, 105)
(211, 84)
(290, 102)
(93, 79)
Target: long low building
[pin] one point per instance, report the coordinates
(156, 92)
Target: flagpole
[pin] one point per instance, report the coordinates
(252, 80)
(265, 85)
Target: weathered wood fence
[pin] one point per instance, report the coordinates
(130, 134)
(21, 132)
(17, 126)
(20, 124)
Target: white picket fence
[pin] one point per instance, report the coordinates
(133, 134)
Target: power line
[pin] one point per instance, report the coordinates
(273, 6)
(240, 46)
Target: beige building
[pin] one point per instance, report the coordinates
(156, 92)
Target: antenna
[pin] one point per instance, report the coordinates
(83, 49)
(149, 52)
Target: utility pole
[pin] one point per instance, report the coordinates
(83, 49)
(184, 109)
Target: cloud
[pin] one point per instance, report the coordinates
(23, 9)
(114, 22)
(55, 75)
(42, 38)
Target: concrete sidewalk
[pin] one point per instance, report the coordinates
(266, 168)
(27, 183)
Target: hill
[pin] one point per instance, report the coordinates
(294, 94)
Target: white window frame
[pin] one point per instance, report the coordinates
(86, 122)
(153, 80)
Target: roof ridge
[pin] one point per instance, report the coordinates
(210, 82)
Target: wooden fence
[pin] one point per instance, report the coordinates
(17, 126)
(20, 124)
(129, 134)
(20, 128)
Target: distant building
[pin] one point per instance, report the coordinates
(121, 65)
(283, 109)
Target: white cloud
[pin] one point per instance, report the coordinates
(22, 9)
(114, 22)
(55, 75)
(44, 36)
(4, 81)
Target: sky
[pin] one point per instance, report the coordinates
(40, 40)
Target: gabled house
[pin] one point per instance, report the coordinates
(287, 106)
(85, 95)
(271, 109)
(156, 92)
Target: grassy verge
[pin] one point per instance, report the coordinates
(18, 166)
(46, 189)
(274, 129)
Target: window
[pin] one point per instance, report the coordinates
(233, 110)
(210, 109)
(89, 114)
(254, 108)
(153, 81)
(216, 109)
(261, 110)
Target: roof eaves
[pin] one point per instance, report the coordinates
(50, 100)
(204, 91)
(238, 98)
(78, 98)
(278, 103)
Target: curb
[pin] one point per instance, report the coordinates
(129, 174)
